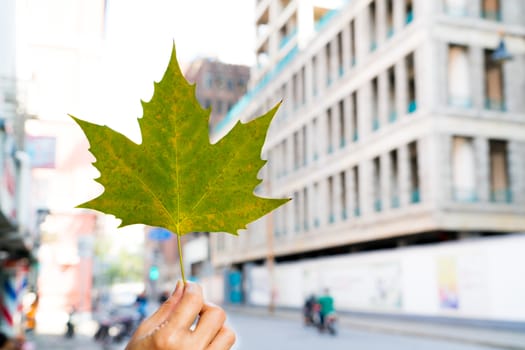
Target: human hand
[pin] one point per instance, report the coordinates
(169, 327)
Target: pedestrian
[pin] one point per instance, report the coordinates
(142, 304)
(170, 327)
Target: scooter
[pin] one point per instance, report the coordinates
(329, 325)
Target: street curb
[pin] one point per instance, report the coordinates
(402, 330)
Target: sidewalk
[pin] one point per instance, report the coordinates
(507, 339)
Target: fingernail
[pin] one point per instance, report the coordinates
(178, 287)
(190, 287)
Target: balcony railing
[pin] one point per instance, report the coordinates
(495, 105)
(412, 106)
(410, 17)
(465, 195)
(415, 196)
(394, 201)
(491, 15)
(377, 205)
(392, 117)
(286, 39)
(503, 195)
(375, 124)
(460, 101)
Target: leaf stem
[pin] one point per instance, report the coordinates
(180, 259)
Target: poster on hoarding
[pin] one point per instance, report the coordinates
(447, 278)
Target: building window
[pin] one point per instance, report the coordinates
(207, 103)
(331, 216)
(342, 125)
(316, 202)
(303, 146)
(409, 12)
(306, 213)
(315, 138)
(376, 166)
(302, 88)
(229, 84)
(392, 111)
(357, 208)
(355, 124)
(314, 76)
(340, 66)
(374, 105)
(394, 179)
(491, 10)
(285, 157)
(459, 93)
(373, 25)
(342, 180)
(389, 18)
(219, 106)
(411, 76)
(297, 213)
(295, 91)
(296, 156)
(494, 82)
(414, 173)
(463, 170)
(500, 189)
(456, 7)
(352, 44)
(328, 64)
(329, 130)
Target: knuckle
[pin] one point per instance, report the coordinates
(194, 298)
(218, 314)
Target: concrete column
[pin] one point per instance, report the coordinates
(404, 175)
(347, 120)
(474, 8)
(300, 218)
(336, 127)
(302, 149)
(383, 109)
(309, 143)
(401, 87)
(381, 26)
(399, 15)
(323, 202)
(362, 27)
(516, 159)
(350, 193)
(322, 136)
(481, 149)
(425, 167)
(311, 207)
(420, 69)
(288, 100)
(385, 178)
(289, 217)
(439, 74)
(334, 65)
(300, 88)
(364, 110)
(338, 208)
(477, 74)
(346, 47)
(308, 87)
(514, 80)
(322, 71)
(366, 187)
(288, 166)
(444, 150)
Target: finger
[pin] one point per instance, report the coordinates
(162, 314)
(210, 323)
(224, 340)
(188, 308)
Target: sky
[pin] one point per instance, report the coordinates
(139, 38)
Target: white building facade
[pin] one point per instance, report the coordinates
(397, 127)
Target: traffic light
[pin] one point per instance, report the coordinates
(154, 273)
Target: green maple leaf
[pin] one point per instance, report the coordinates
(176, 178)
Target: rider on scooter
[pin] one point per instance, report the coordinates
(326, 301)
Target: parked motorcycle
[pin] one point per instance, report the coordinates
(115, 328)
(330, 324)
